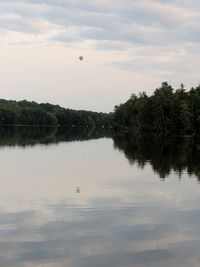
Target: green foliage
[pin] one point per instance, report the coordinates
(167, 110)
(32, 113)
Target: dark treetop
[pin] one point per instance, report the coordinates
(167, 110)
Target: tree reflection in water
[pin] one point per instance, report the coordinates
(24, 136)
(163, 153)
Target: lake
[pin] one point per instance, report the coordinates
(82, 198)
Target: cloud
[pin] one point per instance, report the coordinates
(75, 236)
(145, 21)
(161, 30)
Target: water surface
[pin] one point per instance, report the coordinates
(121, 202)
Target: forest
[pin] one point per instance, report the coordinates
(167, 110)
(31, 113)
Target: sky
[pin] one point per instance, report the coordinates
(129, 46)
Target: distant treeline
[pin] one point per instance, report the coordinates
(32, 113)
(167, 110)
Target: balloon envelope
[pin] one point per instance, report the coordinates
(81, 58)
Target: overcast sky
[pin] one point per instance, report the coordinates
(128, 46)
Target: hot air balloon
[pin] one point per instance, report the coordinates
(77, 189)
(81, 58)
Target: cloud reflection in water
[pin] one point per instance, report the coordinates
(124, 216)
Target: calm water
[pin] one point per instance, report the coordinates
(98, 202)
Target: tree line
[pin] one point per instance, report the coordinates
(166, 110)
(45, 114)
